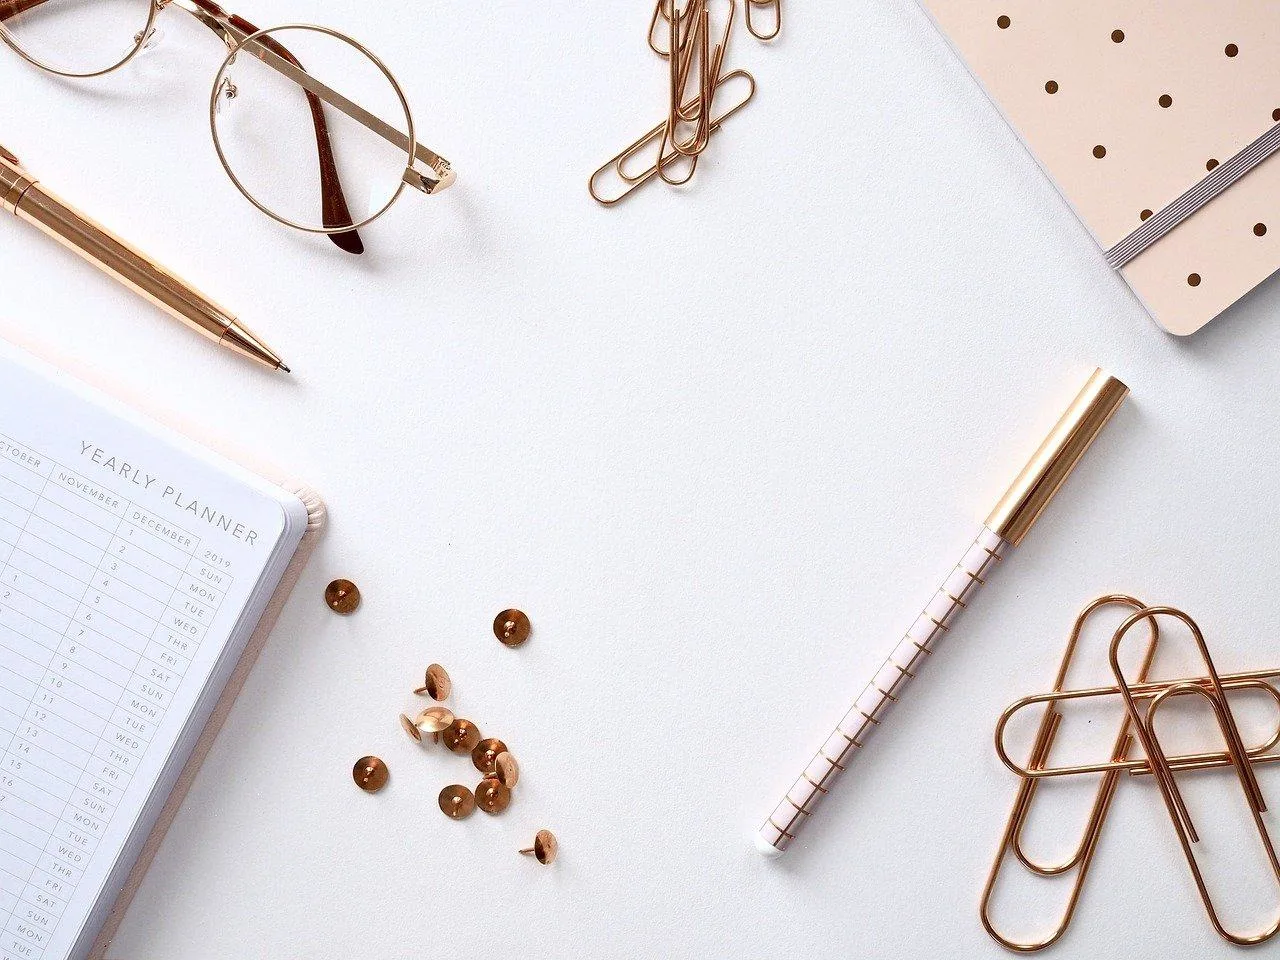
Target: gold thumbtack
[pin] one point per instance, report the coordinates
(370, 774)
(432, 720)
(505, 770)
(545, 847)
(511, 627)
(410, 728)
(437, 685)
(457, 802)
(485, 752)
(491, 796)
(342, 596)
(461, 736)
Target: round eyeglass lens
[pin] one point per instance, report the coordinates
(311, 128)
(76, 38)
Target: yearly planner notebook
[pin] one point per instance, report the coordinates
(1159, 123)
(135, 568)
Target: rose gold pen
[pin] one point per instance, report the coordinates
(22, 195)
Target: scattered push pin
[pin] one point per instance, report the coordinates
(491, 796)
(457, 802)
(505, 770)
(461, 736)
(437, 684)
(545, 847)
(485, 753)
(511, 627)
(409, 727)
(342, 596)
(433, 720)
(370, 774)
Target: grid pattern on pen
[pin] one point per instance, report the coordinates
(885, 689)
(102, 608)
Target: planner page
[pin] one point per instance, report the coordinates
(133, 567)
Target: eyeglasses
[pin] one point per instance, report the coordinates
(284, 153)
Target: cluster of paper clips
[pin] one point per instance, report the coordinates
(681, 34)
(1142, 700)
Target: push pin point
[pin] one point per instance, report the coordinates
(437, 684)
(545, 847)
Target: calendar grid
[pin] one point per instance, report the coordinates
(3, 572)
(84, 767)
(102, 608)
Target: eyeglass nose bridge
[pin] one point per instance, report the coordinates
(149, 39)
(211, 15)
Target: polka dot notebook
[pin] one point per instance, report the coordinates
(1160, 124)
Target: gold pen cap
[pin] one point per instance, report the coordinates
(14, 181)
(1058, 455)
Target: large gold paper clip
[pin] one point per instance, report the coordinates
(1050, 721)
(1143, 701)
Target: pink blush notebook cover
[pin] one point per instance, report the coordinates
(1157, 122)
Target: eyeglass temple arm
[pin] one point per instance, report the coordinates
(231, 29)
(440, 167)
(11, 8)
(235, 30)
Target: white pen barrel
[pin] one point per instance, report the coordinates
(885, 689)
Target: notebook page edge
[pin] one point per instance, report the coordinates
(299, 512)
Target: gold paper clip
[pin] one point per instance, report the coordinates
(1211, 689)
(654, 140)
(660, 12)
(775, 16)
(1011, 842)
(1247, 680)
(709, 62)
(697, 45)
(693, 61)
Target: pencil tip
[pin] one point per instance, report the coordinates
(285, 368)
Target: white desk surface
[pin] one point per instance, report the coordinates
(719, 443)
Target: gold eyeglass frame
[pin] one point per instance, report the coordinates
(238, 39)
(311, 85)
